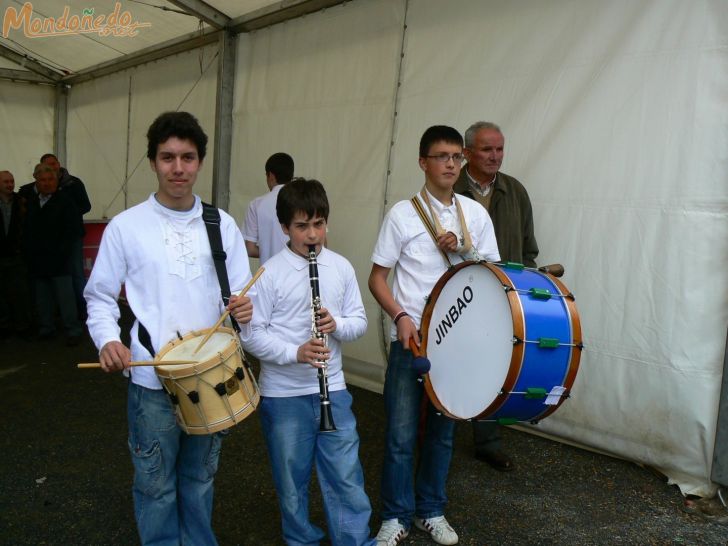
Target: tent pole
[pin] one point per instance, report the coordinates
(60, 121)
(383, 319)
(224, 120)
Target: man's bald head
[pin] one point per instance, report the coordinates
(7, 184)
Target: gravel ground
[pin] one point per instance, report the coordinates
(66, 473)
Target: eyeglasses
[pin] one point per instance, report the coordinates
(444, 158)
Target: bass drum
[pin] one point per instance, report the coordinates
(504, 343)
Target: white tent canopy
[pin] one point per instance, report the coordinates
(615, 120)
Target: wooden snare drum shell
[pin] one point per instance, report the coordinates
(213, 412)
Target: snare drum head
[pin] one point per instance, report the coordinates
(469, 340)
(184, 349)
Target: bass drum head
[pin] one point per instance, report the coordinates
(469, 340)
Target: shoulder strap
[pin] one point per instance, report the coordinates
(428, 226)
(211, 217)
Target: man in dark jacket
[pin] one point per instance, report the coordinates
(75, 191)
(509, 206)
(50, 231)
(14, 295)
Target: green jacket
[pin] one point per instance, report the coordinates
(512, 215)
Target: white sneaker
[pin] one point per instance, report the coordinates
(439, 529)
(391, 533)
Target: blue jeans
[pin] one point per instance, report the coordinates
(405, 495)
(291, 430)
(173, 473)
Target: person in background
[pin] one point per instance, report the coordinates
(75, 191)
(509, 206)
(50, 230)
(262, 230)
(15, 314)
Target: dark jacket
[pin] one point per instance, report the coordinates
(11, 242)
(74, 190)
(512, 215)
(49, 232)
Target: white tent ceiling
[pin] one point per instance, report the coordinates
(31, 49)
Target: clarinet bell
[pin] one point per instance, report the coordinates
(327, 419)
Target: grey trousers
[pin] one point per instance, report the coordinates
(48, 292)
(486, 436)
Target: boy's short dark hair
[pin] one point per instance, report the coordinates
(46, 156)
(281, 165)
(301, 195)
(182, 125)
(439, 133)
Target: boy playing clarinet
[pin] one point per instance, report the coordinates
(293, 342)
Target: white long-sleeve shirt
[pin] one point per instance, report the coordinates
(282, 321)
(164, 260)
(405, 245)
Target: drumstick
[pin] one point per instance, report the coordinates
(225, 315)
(420, 363)
(553, 269)
(142, 363)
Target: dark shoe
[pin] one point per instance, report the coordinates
(498, 460)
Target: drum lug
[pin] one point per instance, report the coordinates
(194, 397)
(240, 373)
(220, 389)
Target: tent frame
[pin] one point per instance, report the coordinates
(223, 30)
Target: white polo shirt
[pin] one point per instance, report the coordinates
(405, 245)
(261, 225)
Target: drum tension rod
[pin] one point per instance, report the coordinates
(539, 293)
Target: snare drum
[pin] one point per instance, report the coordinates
(504, 343)
(216, 392)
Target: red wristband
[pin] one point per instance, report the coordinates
(399, 316)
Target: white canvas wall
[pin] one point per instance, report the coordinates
(321, 89)
(101, 124)
(614, 121)
(26, 116)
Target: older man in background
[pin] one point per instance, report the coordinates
(509, 206)
(51, 229)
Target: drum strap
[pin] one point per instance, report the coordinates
(467, 242)
(428, 226)
(211, 217)
(145, 339)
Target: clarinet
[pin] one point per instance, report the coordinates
(327, 419)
